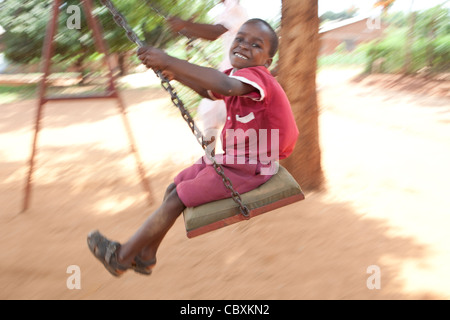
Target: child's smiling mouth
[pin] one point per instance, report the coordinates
(241, 56)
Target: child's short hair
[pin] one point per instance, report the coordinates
(273, 35)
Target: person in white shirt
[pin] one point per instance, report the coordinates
(211, 114)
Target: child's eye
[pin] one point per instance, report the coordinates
(255, 45)
(238, 39)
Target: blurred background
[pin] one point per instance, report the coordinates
(379, 196)
(403, 36)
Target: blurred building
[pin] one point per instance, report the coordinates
(349, 33)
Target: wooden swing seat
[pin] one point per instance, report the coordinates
(279, 191)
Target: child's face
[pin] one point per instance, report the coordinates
(251, 47)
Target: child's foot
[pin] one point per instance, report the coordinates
(143, 266)
(106, 252)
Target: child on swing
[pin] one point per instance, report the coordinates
(255, 102)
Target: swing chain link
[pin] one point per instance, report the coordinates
(122, 22)
(202, 141)
(165, 83)
(191, 40)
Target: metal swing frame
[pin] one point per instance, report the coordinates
(111, 93)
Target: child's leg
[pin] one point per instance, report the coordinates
(149, 252)
(151, 233)
(169, 189)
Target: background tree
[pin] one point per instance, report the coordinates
(25, 27)
(297, 73)
(384, 4)
(346, 14)
(414, 41)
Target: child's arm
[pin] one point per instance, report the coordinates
(200, 79)
(201, 91)
(197, 30)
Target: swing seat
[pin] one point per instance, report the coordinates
(279, 191)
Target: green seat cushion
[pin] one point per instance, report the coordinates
(279, 190)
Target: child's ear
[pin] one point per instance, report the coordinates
(268, 63)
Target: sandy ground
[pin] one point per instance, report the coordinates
(386, 156)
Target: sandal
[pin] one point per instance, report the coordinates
(106, 252)
(143, 267)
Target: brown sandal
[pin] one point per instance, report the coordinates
(106, 252)
(143, 267)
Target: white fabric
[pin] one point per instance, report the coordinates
(211, 118)
(232, 18)
(246, 119)
(212, 114)
(254, 85)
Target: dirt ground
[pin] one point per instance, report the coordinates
(386, 156)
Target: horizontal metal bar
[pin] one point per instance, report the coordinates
(111, 95)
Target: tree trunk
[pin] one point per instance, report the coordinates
(297, 74)
(431, 39)
(79, 67)
(408, 64)
(122, 62)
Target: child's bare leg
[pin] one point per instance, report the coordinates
(169, 189)
(153, 230)
(149, 252)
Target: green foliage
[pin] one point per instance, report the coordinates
(25, 27)
(330, 16)
(430, 46)
(22, 24)
(390, 49)
(16, 93)
(356, 57)
(442, 52)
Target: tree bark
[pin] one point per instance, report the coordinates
(297, 74)
(408, 64)
(122, 63)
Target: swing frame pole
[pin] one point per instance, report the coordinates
(112, 93)
(47, 53)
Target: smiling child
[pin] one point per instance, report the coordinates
(257, 110)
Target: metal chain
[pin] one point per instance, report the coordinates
(157, 9)
(122, 22)
(191, 40)
(165, 83)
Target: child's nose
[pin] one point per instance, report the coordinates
(244, 45)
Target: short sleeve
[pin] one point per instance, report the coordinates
(252, 77)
